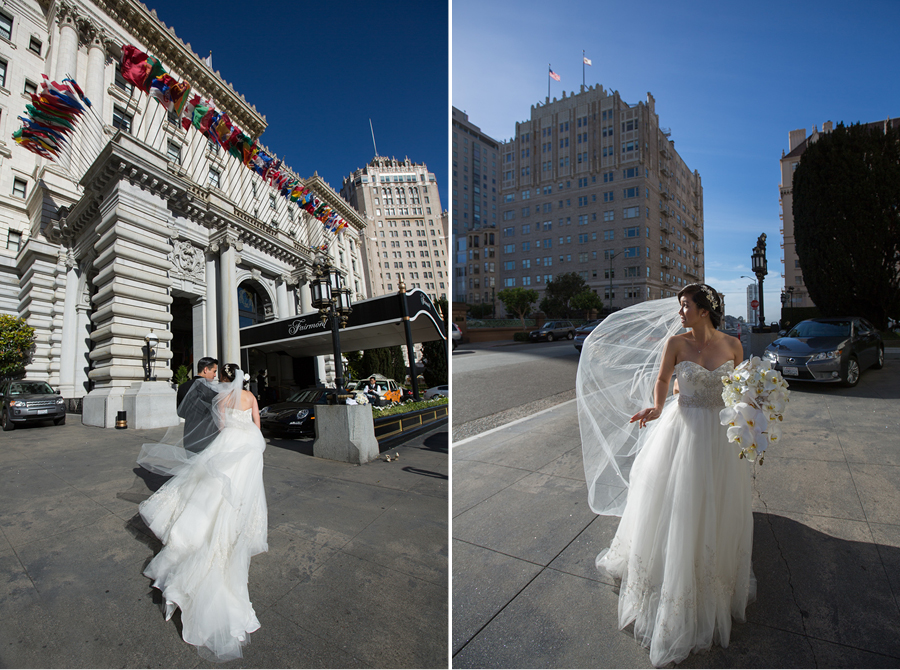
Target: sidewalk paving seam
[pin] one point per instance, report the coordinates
(21, 565)
(314, 634)
(525, 586)
(471, 438)
(865, 514)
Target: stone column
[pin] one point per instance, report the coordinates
(229, 245)
(96, 72)
(198, 324)
(212, 301)
(36, 264)
(132, 298)
(305, 296)
(281, 296)
(67, 48)
(67, 346)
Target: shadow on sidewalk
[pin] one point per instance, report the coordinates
(822, 601)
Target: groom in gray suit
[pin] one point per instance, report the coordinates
(195, 406)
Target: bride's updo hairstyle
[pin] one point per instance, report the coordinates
(705, 297)
(229, 371)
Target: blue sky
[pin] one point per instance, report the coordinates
(730, 79)
(319, 71)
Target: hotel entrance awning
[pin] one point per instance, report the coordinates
(374, 323)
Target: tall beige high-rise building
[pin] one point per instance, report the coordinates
(592, 184)
(793, 273)
(406, 239)
(475, 199)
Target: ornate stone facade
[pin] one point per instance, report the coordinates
(129, 233)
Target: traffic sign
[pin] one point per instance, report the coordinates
(754, 304)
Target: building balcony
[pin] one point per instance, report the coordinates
(665, 152)
(665, 193)
(664, 228)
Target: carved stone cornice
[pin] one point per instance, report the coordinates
(178, 58)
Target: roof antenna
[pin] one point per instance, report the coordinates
(373, 137)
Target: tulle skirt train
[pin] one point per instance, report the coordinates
(682, 549)
(211, 518)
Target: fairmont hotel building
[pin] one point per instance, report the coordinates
(143, 229)
(593, 185)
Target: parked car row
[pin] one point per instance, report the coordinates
(28, 401)
(827, 350)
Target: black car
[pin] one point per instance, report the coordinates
(30, 401)
(297, 414)
(827, 350)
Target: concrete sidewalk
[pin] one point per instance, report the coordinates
(356, 574)
(826, 543)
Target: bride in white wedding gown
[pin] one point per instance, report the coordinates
(211, 517)
(681, 554)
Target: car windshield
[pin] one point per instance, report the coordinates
(821, 329)
(310, 395)
(37, 388)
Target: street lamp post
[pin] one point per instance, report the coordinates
(790, 290)
(151, 341)
(610, 280)
(760, 269)
(332, 300)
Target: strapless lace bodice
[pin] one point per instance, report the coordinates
(239, 415)
(699, 387)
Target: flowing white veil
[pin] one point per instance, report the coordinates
(181, 443)
(616, 376)
(228, 398)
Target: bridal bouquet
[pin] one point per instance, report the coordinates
(755, 398)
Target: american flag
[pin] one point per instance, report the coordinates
(554, 75)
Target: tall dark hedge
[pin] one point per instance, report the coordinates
(846, 205)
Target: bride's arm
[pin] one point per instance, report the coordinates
(255, 412)
(666, 368)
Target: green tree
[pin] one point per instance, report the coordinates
(557, 299)
(16, 345)
(480, 311)
(586, 301)
(518, 301)
(846, 206)
(435, 353)
(387, 361)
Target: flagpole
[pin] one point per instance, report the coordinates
(548, 81)
(582, 69)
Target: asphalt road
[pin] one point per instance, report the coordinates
(497, 382)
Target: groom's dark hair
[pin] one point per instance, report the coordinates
(204, 363)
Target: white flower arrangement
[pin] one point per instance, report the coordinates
(755, 399)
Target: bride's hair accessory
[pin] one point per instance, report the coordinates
(246, 378)
(710, 296)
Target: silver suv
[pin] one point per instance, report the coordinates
(553, 330)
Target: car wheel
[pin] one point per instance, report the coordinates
(549, 337)
(7, 424)
(454, 345)
(851, 376)
(880, 362)
(61, 421)
(570, 335)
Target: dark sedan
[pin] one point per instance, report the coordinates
(827, 350)
(582, 332)
(296, 415)
(29, 401)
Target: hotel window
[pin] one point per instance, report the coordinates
(6, 25)
(122, 119)
(271, 201)
(20, 188)
(13, 240)
(214, 177)
(173, 151)
(3, 66)
(120, 81)
(34, 44)
(30, 88)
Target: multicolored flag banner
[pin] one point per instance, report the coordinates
(52, 116)
(148, 75)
